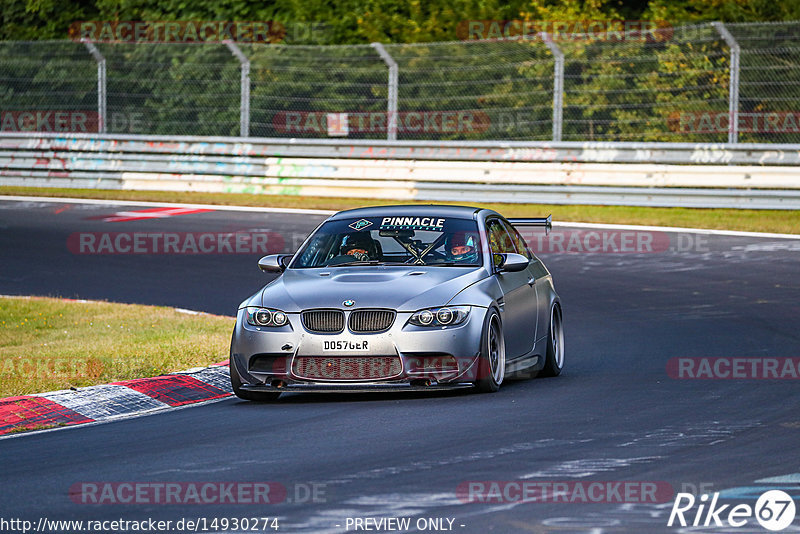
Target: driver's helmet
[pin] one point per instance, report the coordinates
(461, 247)
(360, 245)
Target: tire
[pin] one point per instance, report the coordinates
(492, 364)
(554, 361)
(257, 396)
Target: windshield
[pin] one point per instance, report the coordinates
(439, 241)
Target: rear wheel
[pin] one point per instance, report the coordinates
(555, 344)
(492, 364)
(257, 396)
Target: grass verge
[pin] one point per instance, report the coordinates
(50, 344)
(779, 221)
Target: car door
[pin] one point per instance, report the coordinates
(519, 297)
(538, 276)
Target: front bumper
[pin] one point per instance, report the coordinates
(276, 359)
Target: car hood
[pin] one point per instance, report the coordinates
(403, 288)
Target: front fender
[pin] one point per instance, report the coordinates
(484, 293)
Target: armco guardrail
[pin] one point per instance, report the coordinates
(693, 175)
(585, 152)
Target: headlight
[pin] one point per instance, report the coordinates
(266, 317)
(444, 316)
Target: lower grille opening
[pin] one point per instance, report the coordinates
(347, 368)
(433, 363)
(269, 363)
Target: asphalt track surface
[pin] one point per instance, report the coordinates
(613, 415)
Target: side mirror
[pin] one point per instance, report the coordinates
(512, 263)
(274, 263)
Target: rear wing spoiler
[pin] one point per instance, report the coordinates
(547, 222)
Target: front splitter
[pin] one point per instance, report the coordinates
(354, 388)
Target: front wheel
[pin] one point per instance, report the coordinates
(555, 344)
(492, 364)
(257, 396)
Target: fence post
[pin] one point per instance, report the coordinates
(558, 86)
(733, 90)
(391, 104)
(244, 99)
(101, 84)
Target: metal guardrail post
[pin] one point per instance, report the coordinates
(101, 85)
(244, 101)
(391, 104)
(733, 92)
(558, 86)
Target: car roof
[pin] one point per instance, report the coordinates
(410, 210)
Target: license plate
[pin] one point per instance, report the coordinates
(340, 345)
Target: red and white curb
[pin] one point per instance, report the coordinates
(150, 213)
(129, 398)
(118, 400)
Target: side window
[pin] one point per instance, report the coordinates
(497, 236)
(499, 240)
(519, 242)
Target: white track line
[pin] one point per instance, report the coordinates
(329, 212)
(164, 204)
(84, 301)
(675, 229)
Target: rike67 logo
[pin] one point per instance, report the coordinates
(774, 510)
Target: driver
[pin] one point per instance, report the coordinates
(460, 247)
(359, 245)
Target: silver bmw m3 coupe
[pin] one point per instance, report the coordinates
(400, 298)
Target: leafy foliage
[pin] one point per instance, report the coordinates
(632, 90)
